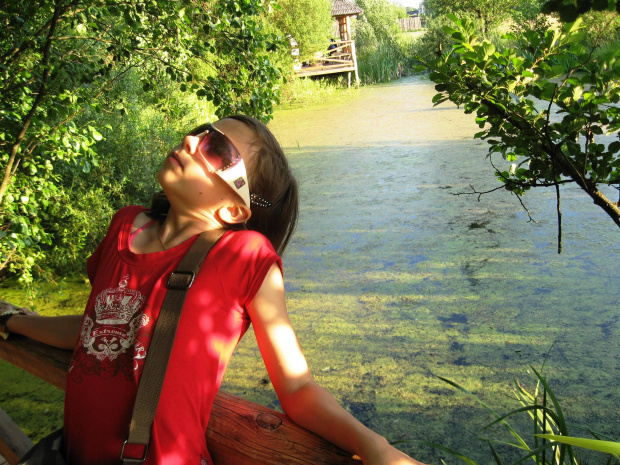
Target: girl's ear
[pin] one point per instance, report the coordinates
(234, 214)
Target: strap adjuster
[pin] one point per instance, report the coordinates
(131, 460)
(181, 280)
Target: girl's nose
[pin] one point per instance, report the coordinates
(190, 144)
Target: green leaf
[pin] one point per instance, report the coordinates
(452, 17)
(96, 134)
(568, 13)
(438, 97)
(608, 447)
(489, 49)
(459, 36)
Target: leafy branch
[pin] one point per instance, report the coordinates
(551, 146)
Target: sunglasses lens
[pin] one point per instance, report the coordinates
(218, 151)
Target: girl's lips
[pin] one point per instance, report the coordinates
(174, 157)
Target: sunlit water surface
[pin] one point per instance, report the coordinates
(394, 280)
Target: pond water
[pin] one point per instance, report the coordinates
(394, 280)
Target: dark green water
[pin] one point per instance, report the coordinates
(392, 280)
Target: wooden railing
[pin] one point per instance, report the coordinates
(240, 432)
(341, 59)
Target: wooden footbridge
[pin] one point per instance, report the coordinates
(239, 433)
(340, 59)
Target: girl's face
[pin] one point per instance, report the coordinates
(187, 179)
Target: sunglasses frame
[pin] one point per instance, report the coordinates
(235, 174)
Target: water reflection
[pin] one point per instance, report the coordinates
(392, 279)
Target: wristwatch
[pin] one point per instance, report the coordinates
(4, 318)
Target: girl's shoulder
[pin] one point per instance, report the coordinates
(246, 241)
(244, 252)
(125, 217)
(128, 213)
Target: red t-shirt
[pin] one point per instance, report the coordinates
(127, 292)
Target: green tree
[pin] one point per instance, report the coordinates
(309, 22)
(58, 62)
(377, 24)
(545, 106)
(490, 13)
(527, 15)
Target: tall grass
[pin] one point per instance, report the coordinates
(299, 92)
(387, 60)
(548, 441)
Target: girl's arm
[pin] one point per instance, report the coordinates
(56, 331)
(302, 399)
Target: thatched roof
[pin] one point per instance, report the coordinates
(345, 8)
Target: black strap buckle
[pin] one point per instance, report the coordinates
(181, 280)
(131, 460)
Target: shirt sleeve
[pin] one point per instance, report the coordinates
(243, 259)
(119, 219)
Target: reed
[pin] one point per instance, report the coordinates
(549, 441)
(388, 60)
(300, 92)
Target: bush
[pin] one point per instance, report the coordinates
(435, 40)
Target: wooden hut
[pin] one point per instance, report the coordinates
(341, 58)
(343, 11)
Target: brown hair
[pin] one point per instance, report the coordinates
(270, 177)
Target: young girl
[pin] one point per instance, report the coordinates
(231, 175)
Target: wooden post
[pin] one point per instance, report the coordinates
(354, 56)
(240, 432)
(13, 442)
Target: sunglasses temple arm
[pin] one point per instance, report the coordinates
(236, 177)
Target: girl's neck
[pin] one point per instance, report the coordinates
(178, 228)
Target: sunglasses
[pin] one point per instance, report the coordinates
(224, 159)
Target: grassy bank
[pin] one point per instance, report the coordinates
(36, 406)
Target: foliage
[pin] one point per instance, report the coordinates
(528, 16)
(378, 23)
(400, 12)
(59, 62)
(386, 62)
(603, 29)
(489, 12)
(309, 22)
(544, 108)
(383, 53)
(569, 10)
(551, 442)
(435, 40)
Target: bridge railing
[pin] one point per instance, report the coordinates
(340, 59)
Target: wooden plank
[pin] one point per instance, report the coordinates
(261, 436)
(45, 362)
(13, 442)
(344, 57)
(318, 70)
(240, 432)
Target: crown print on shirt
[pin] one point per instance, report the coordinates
(113, 333)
